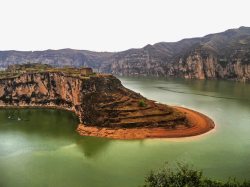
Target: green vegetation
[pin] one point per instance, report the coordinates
(185, 176)
(142, 103)
(16, 70)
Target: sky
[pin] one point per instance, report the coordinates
(113, 25)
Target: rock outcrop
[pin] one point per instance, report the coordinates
(98, 100)
(223, 55)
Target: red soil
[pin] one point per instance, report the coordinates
(198, 124)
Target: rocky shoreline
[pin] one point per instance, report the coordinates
(200, 125)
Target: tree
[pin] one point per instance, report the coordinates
(185, 176)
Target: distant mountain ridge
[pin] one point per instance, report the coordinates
(62, 57)
(224, 55)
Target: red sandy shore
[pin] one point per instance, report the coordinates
(199, 123)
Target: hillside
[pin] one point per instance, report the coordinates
(224, 55)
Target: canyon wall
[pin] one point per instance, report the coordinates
(198, 64)
(223, 55)
(208, 65)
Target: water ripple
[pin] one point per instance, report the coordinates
(201, 94)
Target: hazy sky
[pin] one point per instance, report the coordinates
(113, 25)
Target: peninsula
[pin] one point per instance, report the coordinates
(104, 106)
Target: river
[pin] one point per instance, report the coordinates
(40, 147)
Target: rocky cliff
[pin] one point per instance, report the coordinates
(224, 55)
(98, 100)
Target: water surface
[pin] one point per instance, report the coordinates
(43, 149)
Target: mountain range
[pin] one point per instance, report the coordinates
(224, 55)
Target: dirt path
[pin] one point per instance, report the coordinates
(200, 124)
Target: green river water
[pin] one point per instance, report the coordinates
(43, 149)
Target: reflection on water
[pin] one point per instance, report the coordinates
(40, 147)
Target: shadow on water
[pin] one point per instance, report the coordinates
(91, 146)
(45, 129)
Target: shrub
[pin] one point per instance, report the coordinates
(184, 176)
(142, 103)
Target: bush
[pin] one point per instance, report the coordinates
(142, 103)
(184, 176)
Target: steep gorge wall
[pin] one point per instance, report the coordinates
(200, 65)
(195, 65)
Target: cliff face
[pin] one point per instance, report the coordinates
(41, 89)
(224, 55)
(209, 66)
(98, 100)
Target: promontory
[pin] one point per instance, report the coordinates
(104, 106)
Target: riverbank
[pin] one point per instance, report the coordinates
(198, 124)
